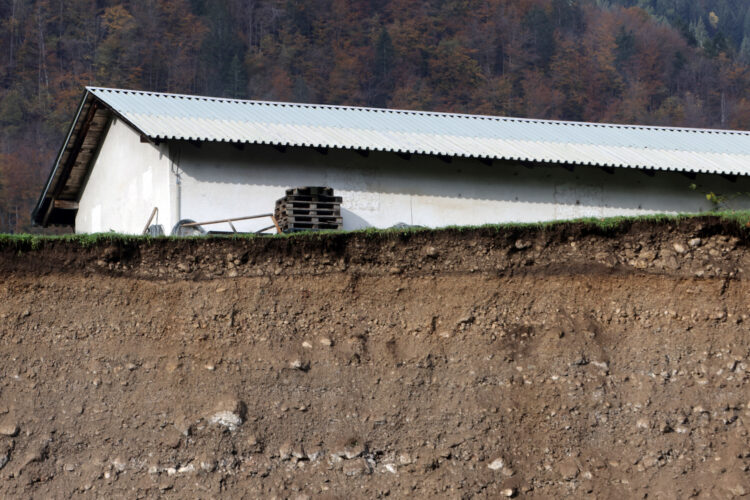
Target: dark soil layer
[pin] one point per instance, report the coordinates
(569, 361)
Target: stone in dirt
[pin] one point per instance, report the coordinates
(8, 428)
(229, 413)
(358, 467)
(496, 464)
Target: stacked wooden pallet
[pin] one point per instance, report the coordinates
(309, 209)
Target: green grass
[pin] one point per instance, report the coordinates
(610, 224)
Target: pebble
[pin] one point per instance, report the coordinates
(508, 492)
(285, 451)
(354, 452)
(357, 467)
(299, 364)
(695, 242)
(9, 429)
(679, 248)
(229, 413)
(326, 342)
(496, 464)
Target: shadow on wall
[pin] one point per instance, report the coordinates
(458, 179)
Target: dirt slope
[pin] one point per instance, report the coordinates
(567, 362)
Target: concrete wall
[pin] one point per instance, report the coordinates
(219, 181)
(128, 180)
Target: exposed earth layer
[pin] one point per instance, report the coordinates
(562, 361)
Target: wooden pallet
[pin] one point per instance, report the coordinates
(309, 208)
(289, 211)
(312, 204)
(310, 191)
(297, 219)
(308, 227)
(312, 199)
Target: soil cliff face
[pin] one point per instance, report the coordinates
(564, 362)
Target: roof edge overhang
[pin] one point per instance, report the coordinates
(58, 203)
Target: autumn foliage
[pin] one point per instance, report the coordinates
(563, 59)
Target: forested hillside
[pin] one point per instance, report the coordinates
(714, 25)
(568, 59)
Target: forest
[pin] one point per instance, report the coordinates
(660, 62)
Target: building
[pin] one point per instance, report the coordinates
(204, 158)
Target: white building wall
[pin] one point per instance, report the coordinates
(129, 178)
(220, 181)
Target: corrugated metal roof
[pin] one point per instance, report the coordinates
(170, 116)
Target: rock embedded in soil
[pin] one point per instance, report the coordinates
(496, 464)
(8, 428)
(229, 413)
(358, 467)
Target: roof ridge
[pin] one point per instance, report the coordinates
(437, 114)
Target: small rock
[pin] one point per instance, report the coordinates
(496, 464)
(522, 245)
(357, 467)
(119, 465)
(695, 242)
(69, 467)
(431, 252)
(210, 367)
(680, 248)
(326, 342)
(299, 364)
(8, 428)
(131, 366)
(354, 451)
(229, 412)
(508, 492)
(643, 423)
(285, 451)
(298, 452)
(307, 345)
(186, 469)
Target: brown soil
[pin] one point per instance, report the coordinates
(567, 362)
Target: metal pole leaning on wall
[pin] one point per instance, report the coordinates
(150, 219)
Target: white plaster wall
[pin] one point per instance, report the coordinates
(220, 181)
(129, 178)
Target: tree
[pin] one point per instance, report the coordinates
(385, 59)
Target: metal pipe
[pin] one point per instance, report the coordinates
(226, 220)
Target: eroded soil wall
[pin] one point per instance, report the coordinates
(564, 362)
